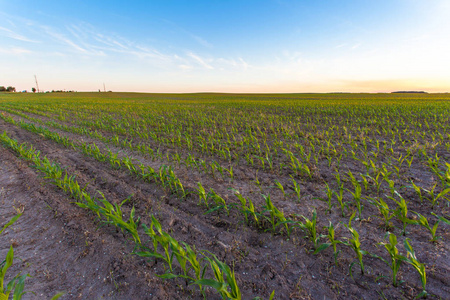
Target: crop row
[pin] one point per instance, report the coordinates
(274, 153)
(275, 217)
(193, 264)
(168, 179)
(375, 170)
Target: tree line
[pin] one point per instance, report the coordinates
(7, 89)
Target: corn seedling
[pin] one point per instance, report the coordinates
(420, 267)
(355, 245)
(418, 191)
(225, 281)
(402, 212)
(247, 208)
(376, 180)
(277, 217)
(386, 213)
(329, 192)
(357, 197)
(365, 182)
(219, 201)
(280, 186)
(310, 226)
(331, 242)
(422, 221)
(396, 258)
(17, 283)
(202, 194)
(297, 189)
(435, 197)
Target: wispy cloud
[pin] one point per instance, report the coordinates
(15, 51)
(62, 38)
(81, 39)
(195, 37)
(87, 39)
(238, 63)
(201, 41)
(14, 35)
(200, 60)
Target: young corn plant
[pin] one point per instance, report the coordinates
(386, 213)
(443, 176)
(114, 215)
(202, 194)
(376, 180)
(18, 282)
(247, 209)
(277, 217)
(162, 238)
(257, 182)
(219, 201)
(418, 191)
(195, 263)
(329, 192)
(297, 189)
(310, 226)
(365, 182)
(396, 258)
(340, 198)
(280, 186)
(306, 170)
(181, 255)
(433, 197)
(230, 172)
(352, 178)
(355, 245)
(402, 212)
(420, 267)
(357, 198)
(391, 185)
(225, 280)
(128, 163)
(422, 221)
(332, 241)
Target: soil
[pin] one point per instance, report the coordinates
(65, 248)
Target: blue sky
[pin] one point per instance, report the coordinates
(226, 46)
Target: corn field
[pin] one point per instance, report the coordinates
(271, 196)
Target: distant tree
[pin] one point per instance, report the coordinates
(33, 90)
(2, 89)
(10, 89)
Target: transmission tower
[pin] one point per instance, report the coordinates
(37, 85)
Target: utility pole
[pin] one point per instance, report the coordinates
(104, 89)
(37, 86)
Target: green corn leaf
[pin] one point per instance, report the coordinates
(13, 219)
(19, 286)
(58, 295)
(446, 221)
(8, 263)
(150, 254)
(168, 276)
(272, 295)
(322, 247)
(219, 286)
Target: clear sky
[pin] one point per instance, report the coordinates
(227, 45)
